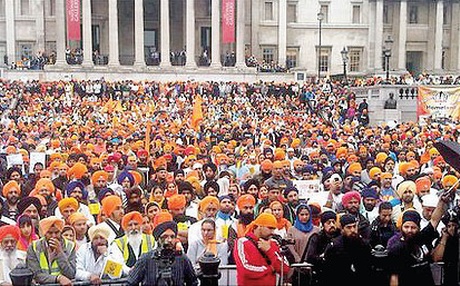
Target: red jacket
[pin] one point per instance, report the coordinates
(252, 268)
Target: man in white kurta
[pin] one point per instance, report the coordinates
(10, 257)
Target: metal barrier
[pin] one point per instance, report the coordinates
(113, 282)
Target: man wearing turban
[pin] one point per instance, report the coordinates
(68, 206)
(113, 210)
(351, 202)
(11, 192)
(207, 208)
(146, 269)
(406, 191)
(9, 255)
(76, 189)
(30, 206)
(133, 244)
(79, 221)
(92, 256)
(257, 257)
(52, 258)
(176, 206)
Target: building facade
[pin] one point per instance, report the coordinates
(425, 34)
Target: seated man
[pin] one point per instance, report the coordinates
(10, 257)
(147, 268)
(52, 258)
(92, 256)
(133, 244)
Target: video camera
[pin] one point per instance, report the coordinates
(165, 258)
(283, 241)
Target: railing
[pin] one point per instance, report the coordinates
(122, 281)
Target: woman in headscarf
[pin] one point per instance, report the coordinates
(282, 224)
(28, 235)
(207, 244)
(301, 231)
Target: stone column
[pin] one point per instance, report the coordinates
(378, 35)
(282, 33)
(139, 60)
(164, 15)
(371, 37)
(190, 34)
(87, 35)
(438, 36)
(114, 57)
(402, 35)
(215, 37)
(60, 33)
(456, 24)
(38, 9)
(10, 31)
(240, 37)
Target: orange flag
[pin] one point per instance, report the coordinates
(147, 135)
(197, 114)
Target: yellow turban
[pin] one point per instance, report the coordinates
(77, 216)
(373, 172)
(405, 186)
(68, 202)
(206, 201)
(47, 223)
(8, 187)
(448, 181)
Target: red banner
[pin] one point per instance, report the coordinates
(228, 21)
(73, 20)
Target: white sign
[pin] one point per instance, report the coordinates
(15, 160)
(36, 157)
(307, 187)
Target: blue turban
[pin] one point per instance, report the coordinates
(125, 174)
(74, 184)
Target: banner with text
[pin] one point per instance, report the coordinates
(228, 21)
(73, 20)
(438, 102)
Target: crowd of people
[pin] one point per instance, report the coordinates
(96, 173)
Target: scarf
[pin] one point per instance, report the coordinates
(303, 227)
(223, 216)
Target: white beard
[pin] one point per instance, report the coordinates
(135, 241)
(9, 258)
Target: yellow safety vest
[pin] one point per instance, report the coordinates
(146, 246)
(44, 264)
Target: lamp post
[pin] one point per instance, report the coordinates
(320, 17)
(387, 55)
(344, 54)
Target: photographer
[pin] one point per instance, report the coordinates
(258, 259)
(164, 265)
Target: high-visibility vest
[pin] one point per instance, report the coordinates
(146, 246)
(44, 264)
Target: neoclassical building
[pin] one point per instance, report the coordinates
(425, 33)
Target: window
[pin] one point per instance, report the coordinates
(413, 14)
(324, 59)
(26, 50)
(445, 15)
(356, 14)
(386, 19)
(268, 54)
(291, 57)
(292, 13)
(325, 10)
(444, 59)
(2, 8)
(52, 8)
(268, 11)
(25, 7)
(354, 56)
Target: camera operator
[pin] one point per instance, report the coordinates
(258, 258)
(164, 265)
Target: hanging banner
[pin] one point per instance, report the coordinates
(228, 21)
(73, 20)
(438, 102)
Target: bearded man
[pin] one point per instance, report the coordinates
(10, 257)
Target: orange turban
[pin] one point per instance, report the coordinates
(161, 217)
(277, 164)
(423, 183)
(342, 151)
(47, 223)
(279, 154)
(68, 202)
(373, 172)
(355, 167)
(129, 217)
(386, 175)
(77, 216)
(45, 184)
(45, 174)
(403, 167)
(137, 177)
(77, 171)
(110, 203)
(8, 187)
(54, 165)
(448, 181)
(264, 219)
(206, 201)
(380, 158)
(245, 200)
(97, 175)
(266, 165)
(9, 230)
(176, 202)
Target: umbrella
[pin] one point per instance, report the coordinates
(450, 151)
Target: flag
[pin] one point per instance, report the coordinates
(228, 21)
(112, 269)
(73, 20)
(197, 114)
(147, 135)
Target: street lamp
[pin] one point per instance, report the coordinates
(387, 55)
(344, 54)
(320, 17)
